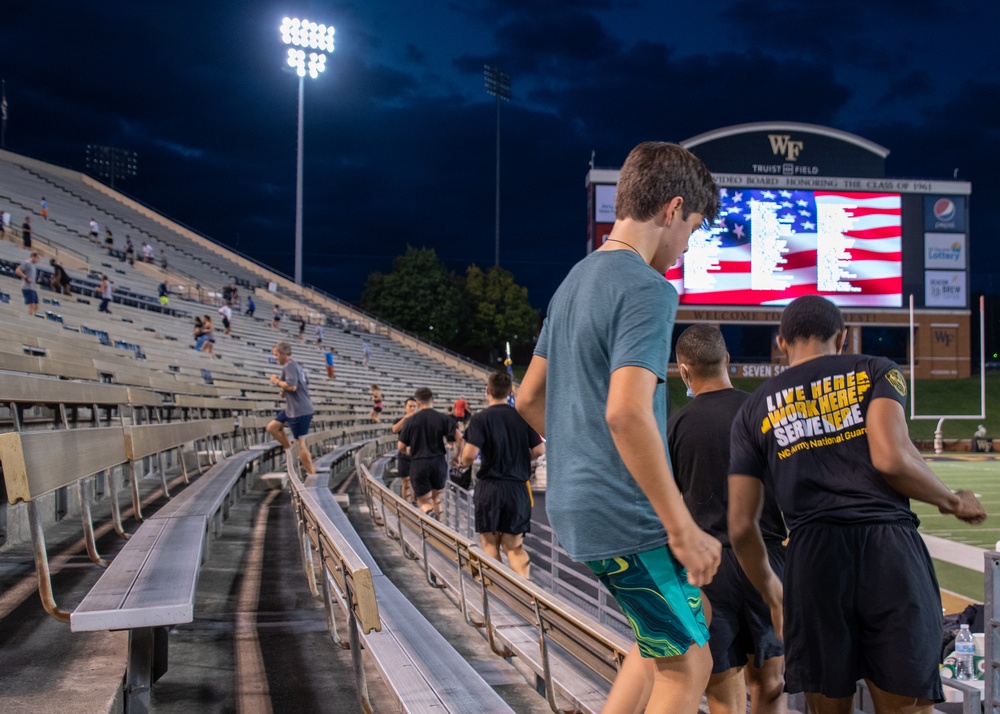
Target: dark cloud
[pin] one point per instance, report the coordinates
(414, 55)
(913, 85)
(551, 41)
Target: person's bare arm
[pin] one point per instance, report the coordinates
(746, 500)
(538, 451)
(637, 438)
(398, 426)
(469, 454)
(403, 448)
(530, 403)
(905, 470)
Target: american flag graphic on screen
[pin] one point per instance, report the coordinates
(768, 247)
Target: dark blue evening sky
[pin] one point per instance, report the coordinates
(399, 132)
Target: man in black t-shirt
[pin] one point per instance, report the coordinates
(502, 499)
(423, 438)
(745, 650)
(863, 601)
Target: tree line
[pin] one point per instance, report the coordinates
(477, 312)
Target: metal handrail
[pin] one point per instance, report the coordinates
(558, 623)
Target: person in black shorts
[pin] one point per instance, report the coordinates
(423, 438)
(863, 601)
(745, 650)
(502, 499)
(402, 458)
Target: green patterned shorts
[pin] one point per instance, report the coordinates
(653, 592)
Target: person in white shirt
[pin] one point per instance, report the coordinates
(227, 313)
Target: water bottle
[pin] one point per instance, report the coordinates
(964, 649)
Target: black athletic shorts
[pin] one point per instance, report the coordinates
(427, 475)
(402, 466)
(861, 602)
(502, 506)
(741, 620)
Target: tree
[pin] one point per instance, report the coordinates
(420, 295)
(497, 310)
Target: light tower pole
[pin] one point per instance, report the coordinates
(304, 35)
(497, 85)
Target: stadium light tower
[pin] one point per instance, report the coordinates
(317, 39)
(497, 85)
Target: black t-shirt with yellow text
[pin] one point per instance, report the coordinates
(807, 428)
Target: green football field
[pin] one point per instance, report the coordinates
(981, 476)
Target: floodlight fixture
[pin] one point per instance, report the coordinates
(310, 35)
(309, 41)
(497, 83)
(112, 163)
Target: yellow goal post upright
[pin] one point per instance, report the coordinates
(938, 437)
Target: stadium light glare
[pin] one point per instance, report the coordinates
(318, 38)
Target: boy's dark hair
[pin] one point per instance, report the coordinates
(498, 384)
(423, 395)
(703, 349)
(810, 316)
(654, 173)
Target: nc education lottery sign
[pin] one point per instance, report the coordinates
(944, 250)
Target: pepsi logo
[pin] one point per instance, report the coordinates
(944, 209)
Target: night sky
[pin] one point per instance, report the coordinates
(400, 133)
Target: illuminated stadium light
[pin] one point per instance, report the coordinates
(309, 41)
(303, 33)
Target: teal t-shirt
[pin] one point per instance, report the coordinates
(613, 310)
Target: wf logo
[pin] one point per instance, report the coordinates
(782, 145)
(943, 337)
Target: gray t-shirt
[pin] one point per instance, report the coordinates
(297, 403)
(30, 271)
(612, 311)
